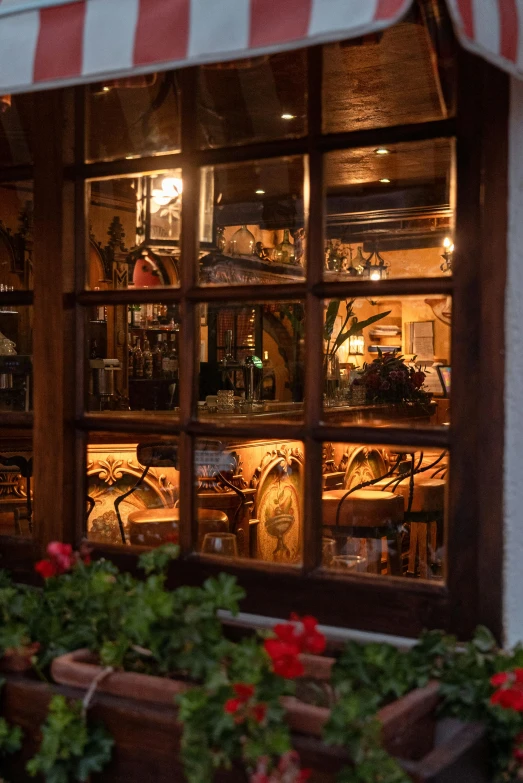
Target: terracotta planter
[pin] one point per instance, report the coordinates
(147, 739)
(79, 668)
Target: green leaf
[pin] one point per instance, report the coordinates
(330, 318)
(358, 326)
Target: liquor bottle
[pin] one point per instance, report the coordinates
(173, 358)
(166, 361)
(130, 360)
(285, 250)
(147, 360)
(138, 360)
(158, 357)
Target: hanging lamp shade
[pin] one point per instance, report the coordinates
(52, 43)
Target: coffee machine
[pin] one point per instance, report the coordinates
(103, 394)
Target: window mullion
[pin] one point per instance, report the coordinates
(188, 330)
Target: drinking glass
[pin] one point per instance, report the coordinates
(222, 544)
(328, 551)
(349, 563)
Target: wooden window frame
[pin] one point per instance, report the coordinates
(473, 589)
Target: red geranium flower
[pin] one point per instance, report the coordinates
(46, 569)
(232, 705)
(243, 692)
(509, 698)
(61, 555)
(499, 679)
(284, 656)
(258, 712)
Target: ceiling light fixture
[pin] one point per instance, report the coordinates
(288, 116)
(385, 180)
(382, 151)
(260, 192)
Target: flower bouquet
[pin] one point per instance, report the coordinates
(388, 379)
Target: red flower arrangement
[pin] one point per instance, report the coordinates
(301, 635)
(242, 705)
(61, 559)
(389, 379)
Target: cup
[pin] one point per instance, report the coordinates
(225, 400)
(349, 563)
(328, 551)
(222, 544)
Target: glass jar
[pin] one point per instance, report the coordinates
(242, 242)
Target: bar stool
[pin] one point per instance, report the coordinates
(156, 526)
(370, 515)
(425, 514)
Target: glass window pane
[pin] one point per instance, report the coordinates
(16, 472)
(384, 510)
(16, 358)
(252, 361)
(16, 236)
(249, 498)
(132, 358)
(257, 218)
(135, 231)
(390, 211)
(16, 123)
(387, 360)
(147, 516)
(145, 110)
(257, 99)
(399, 76)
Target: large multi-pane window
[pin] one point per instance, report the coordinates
(271, 294)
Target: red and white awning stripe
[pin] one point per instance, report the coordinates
(492, 29)
(51, 43)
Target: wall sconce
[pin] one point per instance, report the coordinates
(448, 251)
(356, 345)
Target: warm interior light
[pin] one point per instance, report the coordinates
(447, 242)
(260, 192)
(172, 186)
(171, 189)
(105, 89)
(288, 116)
(385, 180)
(375, 276)
(382, 151)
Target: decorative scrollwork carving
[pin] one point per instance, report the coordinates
(286, 454)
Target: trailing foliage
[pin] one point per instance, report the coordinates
(234, 713)
(72, 748)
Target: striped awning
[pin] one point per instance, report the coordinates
(52, 43)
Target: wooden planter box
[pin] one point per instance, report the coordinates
(147, 738)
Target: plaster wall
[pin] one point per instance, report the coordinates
(513, 492)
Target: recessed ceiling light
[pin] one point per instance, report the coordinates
(260, 192)
(382, 151)
(288, 116)
(385, 180)
(105, 89)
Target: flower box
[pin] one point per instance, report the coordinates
(147, 739)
